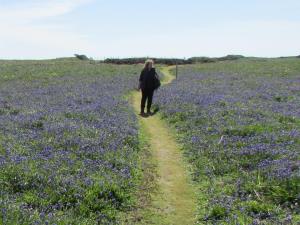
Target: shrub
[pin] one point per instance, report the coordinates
(167, 61)
(81, 57)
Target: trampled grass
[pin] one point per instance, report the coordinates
(174, 202)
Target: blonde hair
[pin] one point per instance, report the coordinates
(148, 63)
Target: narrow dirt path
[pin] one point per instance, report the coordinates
(176, 199)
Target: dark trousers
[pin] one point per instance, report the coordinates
(147, 95)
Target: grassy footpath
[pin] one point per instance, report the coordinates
(173, 200)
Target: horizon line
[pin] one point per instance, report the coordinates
(149, 57)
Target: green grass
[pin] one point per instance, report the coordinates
(31, 188)
(46, 70)
(265, 199)
(254, 66)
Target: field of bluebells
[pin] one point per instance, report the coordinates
(239, 123)
(68, 142)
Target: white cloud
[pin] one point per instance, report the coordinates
(36, 10)
(22, 36)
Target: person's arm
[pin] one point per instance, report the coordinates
(141, 76)
(141, 80)
(153, 75)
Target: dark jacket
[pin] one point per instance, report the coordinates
(147, 80)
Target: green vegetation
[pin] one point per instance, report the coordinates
(239, 124)
(71, 150)
(69, 147)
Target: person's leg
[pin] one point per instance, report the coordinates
(143, 101)
(149, 102)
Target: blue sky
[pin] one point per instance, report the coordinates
(38, 29)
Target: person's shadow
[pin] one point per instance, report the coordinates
(155, 111)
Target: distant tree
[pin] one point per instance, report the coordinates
(167, 61)
(231, 57)
(81, 57)
(203, 60)
(172, 61)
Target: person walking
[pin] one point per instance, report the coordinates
(148, 82)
